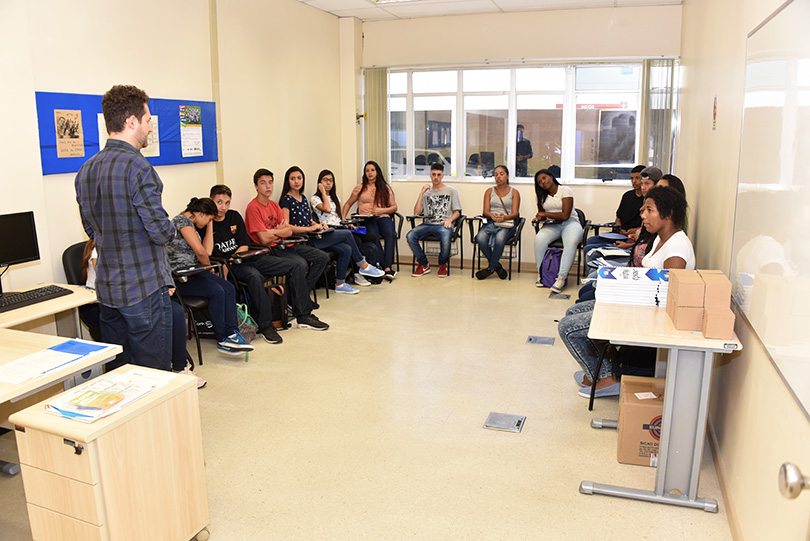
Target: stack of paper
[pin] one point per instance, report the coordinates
(632, 285)
(744, 291)
(106, 394)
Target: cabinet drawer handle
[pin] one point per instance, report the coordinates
(77, 447)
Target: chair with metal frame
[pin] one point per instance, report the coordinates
(456, 241)
(586, 225)
(514, 243)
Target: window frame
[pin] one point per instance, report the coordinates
(568, 135)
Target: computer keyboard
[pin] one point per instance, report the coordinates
(11, 301)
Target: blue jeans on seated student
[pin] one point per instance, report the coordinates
(143, 329)
(423, 231)
(491, 239)
(221, 297)
(573, 329)
(571, 233)
(383, 228)
(342, 242)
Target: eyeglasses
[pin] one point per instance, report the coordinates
(327, 178)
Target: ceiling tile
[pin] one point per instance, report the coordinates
(339, 5)
(436, 9)
(368, 14)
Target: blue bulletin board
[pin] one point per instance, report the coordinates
(73, 119)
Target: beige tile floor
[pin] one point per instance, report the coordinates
(373, 429)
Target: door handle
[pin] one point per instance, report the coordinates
(791, 481)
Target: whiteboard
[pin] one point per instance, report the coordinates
(771, 251)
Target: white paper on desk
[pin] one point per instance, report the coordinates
(31, 366)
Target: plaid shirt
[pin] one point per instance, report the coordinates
(118, 192)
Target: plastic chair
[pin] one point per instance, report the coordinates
(456, 241)
(514, 243)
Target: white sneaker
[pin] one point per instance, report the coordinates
(346, 289)
(539, 282)
(359, 280)
(559, 285)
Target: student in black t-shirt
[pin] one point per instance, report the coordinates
(230, 237)
(628, 215)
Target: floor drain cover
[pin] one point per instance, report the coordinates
(505, 421)
(540, 340)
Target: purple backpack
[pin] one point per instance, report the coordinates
(550, 267)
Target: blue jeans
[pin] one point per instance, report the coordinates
(221, 297)
(573, 329)
(571, 233)
(252, 272)
(342, 242)
(383, 228)
(491, 240)
(144, 330)
(423, 231)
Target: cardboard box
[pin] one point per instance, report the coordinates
(641, 404)
(685, 318)
(717, 290)
(686, 286)
(718, 323)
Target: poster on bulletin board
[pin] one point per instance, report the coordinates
(72, 129)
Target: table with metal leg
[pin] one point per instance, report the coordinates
(686, 400)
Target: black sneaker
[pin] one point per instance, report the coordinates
(312, 322)
(390, 275)
(270, 335)
(502, 274)
(483, 274)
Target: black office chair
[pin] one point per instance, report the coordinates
(456, 241)
(194, 306)
(399, 219)
(72, 263)
(514, 243)
(586, 225)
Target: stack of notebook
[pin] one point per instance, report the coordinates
(632, 285)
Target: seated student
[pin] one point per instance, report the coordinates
(375, 198)
(502, 210)
(230, 238)
(90, 316)
(628, 217)
(188, 250)
(266, 225)
(663, 214)
(326, 203)
(441, 206)
(555, 203)
(298, 213)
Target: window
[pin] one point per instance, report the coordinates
(586, 118)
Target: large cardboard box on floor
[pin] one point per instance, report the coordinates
(641, 404)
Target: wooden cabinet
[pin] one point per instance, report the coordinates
(137, 474)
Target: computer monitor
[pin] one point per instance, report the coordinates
(19, 239)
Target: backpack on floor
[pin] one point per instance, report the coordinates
(550, 267)
(278, 303)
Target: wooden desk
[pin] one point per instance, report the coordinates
(136, 474)
(19, 316)
(686, 399)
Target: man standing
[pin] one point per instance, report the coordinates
(119, 196)
(523, 153)
(440, 205)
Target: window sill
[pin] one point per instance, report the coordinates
(622, 183)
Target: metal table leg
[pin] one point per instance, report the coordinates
(683, 431)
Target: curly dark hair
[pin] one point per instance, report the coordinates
(203, 205)
(121, 102)
(540, 192)
(670, 203)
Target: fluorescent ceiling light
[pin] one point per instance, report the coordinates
(393, 1)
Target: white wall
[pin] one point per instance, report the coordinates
(280, 92)
(754, 421)
(583, 34)
(86, 47)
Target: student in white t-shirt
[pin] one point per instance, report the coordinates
(663, 215)
(555, 207)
